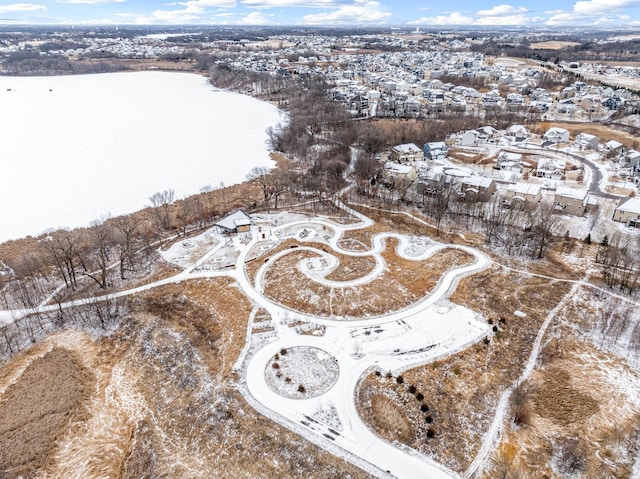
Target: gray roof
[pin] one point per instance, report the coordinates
(235, 219)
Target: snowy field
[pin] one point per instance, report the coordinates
(75, 148)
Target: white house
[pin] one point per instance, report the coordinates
(509, 162)
(406, 152)
(585, 141)
(551, 168)
(556, 135)
(518, 132)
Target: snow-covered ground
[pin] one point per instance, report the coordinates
(75, 148)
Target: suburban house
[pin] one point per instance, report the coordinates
(406, 152)
(432, 181)
(522, 194)
(472, 138)
(509, 162)
(435, 151)
(236, 222)
(585, 141)
(478, 187)
(570, 201)
(629, 159)
(551, 168)
(628, 213)
(556, 135)
(613, 147)
(518, 132)
(396, 173)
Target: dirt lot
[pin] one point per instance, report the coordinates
(37, 409)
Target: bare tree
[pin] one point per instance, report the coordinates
(95, 261)
(161, 201)
(260, 175)
(126, 242)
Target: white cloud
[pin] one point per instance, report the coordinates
(194, 11)
(361, 11)
(500, 10)
(455, 18)
(90, 2)
(21, 7)
(254, 18)
(505, 20)
(293, 3)
(597, 7)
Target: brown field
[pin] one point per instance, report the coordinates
(461, 392)
(573, 415)
(552, 45)
(403, 283)
(166, 403)
(37, 409)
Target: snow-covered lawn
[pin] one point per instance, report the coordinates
(74, 148)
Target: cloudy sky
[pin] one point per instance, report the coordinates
(325, 12)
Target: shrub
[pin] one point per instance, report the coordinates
(428, 419)
(378, 373)
(276, 357)
(431, 433)
(412, 389)
(283, 351)
(287, 379)
(275, 366)
(301, 389)
(400, 379)
(424, 407)
(419, 396)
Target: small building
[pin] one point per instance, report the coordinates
(234, 223)
(406, 152)
(628, 213)
(585, 141)
(435, 151)
(397, 173)
(556, 135)
(629, 159)
(509, 162)
(552, 168)
(613, 147)
(522, 194)
(570, 201)
(472, 138)
(518, 132)
(478, 188)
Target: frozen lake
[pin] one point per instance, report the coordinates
(75, 148)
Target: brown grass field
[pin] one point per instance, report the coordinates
(461, 392)
(38, 408)
(575, 420)
(164, 402)
(403, 283)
